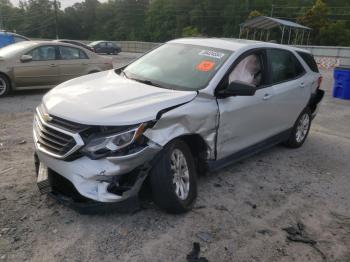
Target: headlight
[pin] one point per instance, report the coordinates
(101, 146)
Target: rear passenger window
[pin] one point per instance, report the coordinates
(309, 60)
(70, 53)
(284, 66)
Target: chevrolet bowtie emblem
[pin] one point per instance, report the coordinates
(47, 117)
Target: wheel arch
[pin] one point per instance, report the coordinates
(8, 79)
(199, 150)
(315, 99)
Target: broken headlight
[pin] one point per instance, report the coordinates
(106, 145)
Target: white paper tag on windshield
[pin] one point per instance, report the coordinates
(213, 54)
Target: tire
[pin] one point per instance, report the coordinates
(167, 193)
(300, 130)
(4, 85)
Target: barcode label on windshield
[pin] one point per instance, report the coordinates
(213, 54)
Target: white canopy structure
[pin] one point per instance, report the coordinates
(261, 26)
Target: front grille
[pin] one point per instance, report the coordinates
(67, 125)
(56, 140)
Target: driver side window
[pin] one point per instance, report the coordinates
(43, 53)
(248, 70)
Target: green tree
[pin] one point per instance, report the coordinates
(254, 13)
(316, 18)
(190, 31)
(337, 34)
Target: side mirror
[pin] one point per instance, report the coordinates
(237, 88)
(26, 58)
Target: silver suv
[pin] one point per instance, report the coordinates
(189, 106)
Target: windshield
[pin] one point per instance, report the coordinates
(12, 50)
(178, 66)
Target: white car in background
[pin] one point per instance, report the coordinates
(189, 106)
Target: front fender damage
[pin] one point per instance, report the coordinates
(198, 117)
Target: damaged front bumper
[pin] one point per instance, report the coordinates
(108, 180)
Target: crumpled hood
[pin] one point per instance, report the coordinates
(108, 99)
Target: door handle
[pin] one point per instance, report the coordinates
(267, 96)
(53, 65)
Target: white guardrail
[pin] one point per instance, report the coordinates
(330, 56)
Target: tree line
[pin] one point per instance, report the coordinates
(161, 20)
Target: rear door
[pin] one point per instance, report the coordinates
(73, 62)
(290, 86)
(42, 70)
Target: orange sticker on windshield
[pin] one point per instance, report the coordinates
(205, 66)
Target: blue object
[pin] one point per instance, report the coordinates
(341, 88)
(6, 39)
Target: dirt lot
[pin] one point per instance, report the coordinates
(239, 214)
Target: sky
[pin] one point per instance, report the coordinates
(64, 3)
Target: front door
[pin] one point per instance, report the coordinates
(42, 70)
(246, 120)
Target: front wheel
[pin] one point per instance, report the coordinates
(4, 86)
(174, 179)
(300, 130)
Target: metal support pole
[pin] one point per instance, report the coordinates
(261, 34)
(56, 25)
(247, 33)
(1, 20)
(272, 7)
(240, 32)
(308, 38)
(302, 37)
(254, 34)
(268, 36)
(282, 34)
(290, 31)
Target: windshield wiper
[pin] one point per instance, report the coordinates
(143, 81)
(123, 72)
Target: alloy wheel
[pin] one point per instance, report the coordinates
(181, 177)
(3, 86)
(302, 128)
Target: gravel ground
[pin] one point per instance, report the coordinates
(239, 214)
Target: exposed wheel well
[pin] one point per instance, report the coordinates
(315, 99)
(198, 148)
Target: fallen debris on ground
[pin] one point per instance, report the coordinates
(298, 234)
(193, 256)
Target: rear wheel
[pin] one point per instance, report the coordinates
(4, 85)
(300, 130)
(173, 178)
